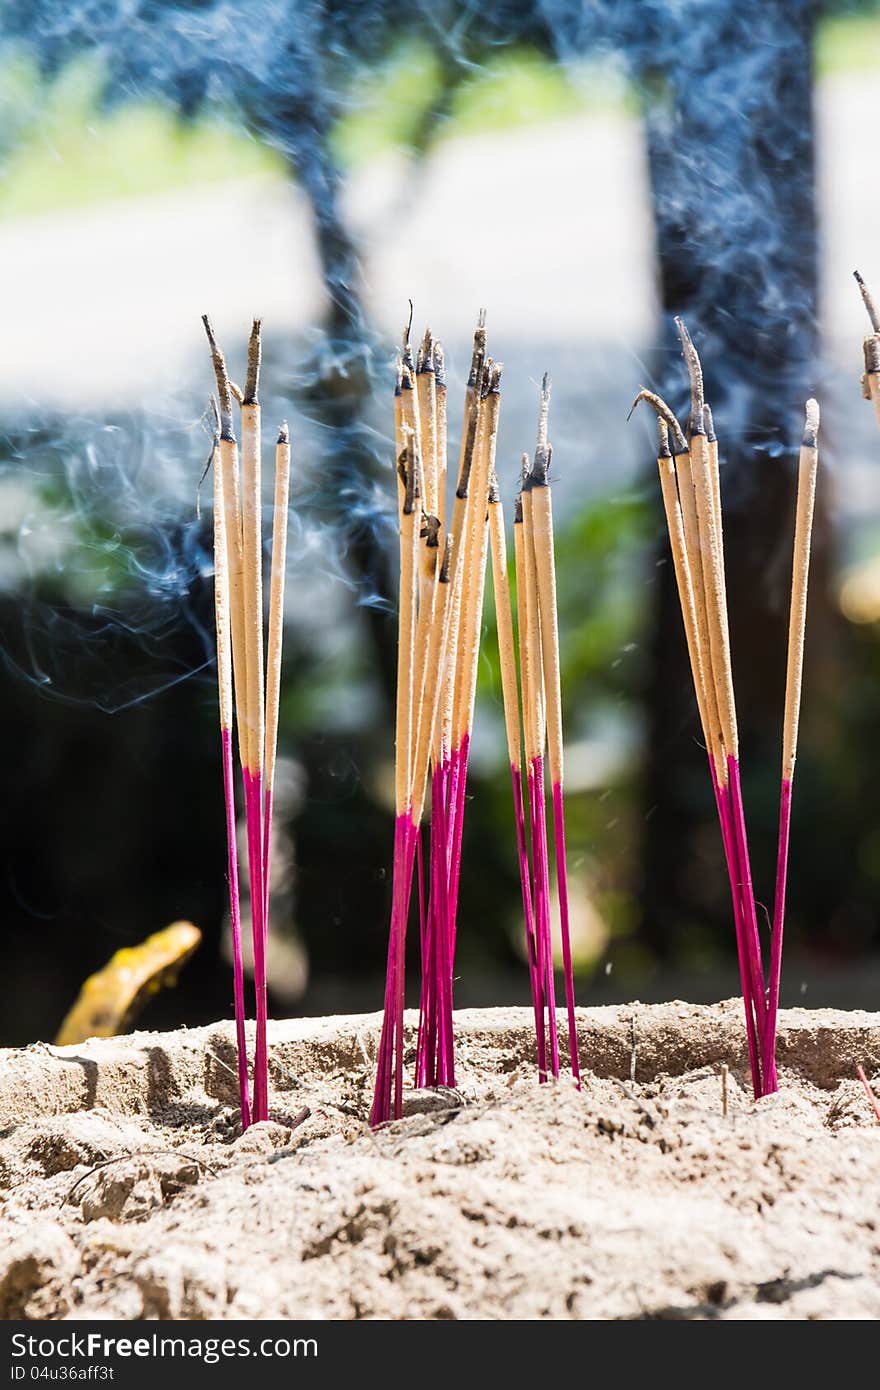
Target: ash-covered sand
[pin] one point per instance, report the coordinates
(127, 1191)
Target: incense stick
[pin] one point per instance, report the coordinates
(510, 698)
(535, 743)
(252, 545)
(535, 950)
(806, 495)
(871, 347)
(276, 636)
(545, 572)
(224, 687)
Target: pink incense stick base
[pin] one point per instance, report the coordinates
(749, 915)
(267, 853)
(235, 927)
(529, 918)
(253, 803)
(771, 1080)
(565, 931)
(541, 900)
(388, 1091)
(722, 801)
(435, 1057)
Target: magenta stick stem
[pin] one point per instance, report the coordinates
(253, 801)
(388, 1093)
(750, 920)
(771, 1082)
(443, 952)
(457, 833)
(564, 926)
(267, 851)
(722, 801)
(542, 905)
(528, 915)
(235, 925)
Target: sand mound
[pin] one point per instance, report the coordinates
(127, 1190)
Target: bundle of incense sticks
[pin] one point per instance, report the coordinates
(871, 348)
(254, 675)
(442, 581)
(540, 680)
(690, 486)
(442, 574)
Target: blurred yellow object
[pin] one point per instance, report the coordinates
(111, 999)
(860, 593)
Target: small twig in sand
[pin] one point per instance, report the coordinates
(139, 1153)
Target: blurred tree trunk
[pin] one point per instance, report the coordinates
(736, 226)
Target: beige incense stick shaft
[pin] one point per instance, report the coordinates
(437, 657)
(253, 580)
(715, 591)
(221, 599)
(872, 383)
(232, 507)
(442, 442)
(457, 534)
(235, 572)
(691, 527)
(545, 574)
(410, 526)
(533, 674)
(276, 599)
(684, 584)
(426, 394)
(806, 496)
(472, 612)
(504, 624)
(428, 567)
(467, 578)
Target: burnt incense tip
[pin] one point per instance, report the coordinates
(695, 375)
(871, 347)
(439, 365)
(540, 471)
(663, 449)
(481, 321)
(224, 392)
(517, 509)
(406, 376)
(254, 354)
(811, 424)
(868, 302)
(430, 530)
(663, 412)
(709, 424)
(407, 352)
(445, 563)
(283, 433)
(425, 356)
(492, 384)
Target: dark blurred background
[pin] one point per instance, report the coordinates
(583, 168)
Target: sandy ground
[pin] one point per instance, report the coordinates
(127, 1190)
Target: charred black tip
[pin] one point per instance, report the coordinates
(284, 433)
(439, 365)
(664, 413)
(250, 395)
(811, 424)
